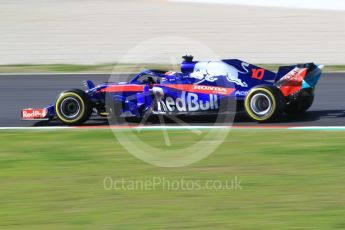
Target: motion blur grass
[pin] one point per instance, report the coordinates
(118, 68)
(54, 180)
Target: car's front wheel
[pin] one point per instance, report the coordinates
(73, 107)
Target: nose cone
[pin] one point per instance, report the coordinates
(321, 66)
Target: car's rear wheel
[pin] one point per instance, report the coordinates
(73, 107)
(264, 103)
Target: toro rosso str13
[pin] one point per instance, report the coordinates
(198, 89)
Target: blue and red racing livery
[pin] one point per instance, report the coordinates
(200, 88)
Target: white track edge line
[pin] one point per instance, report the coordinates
(311, 128)
(318, 128)
(35, 128)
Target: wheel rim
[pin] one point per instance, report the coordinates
(261, 104)
(70, 107)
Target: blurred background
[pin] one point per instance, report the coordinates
(94, 32)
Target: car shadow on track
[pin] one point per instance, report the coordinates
(310, 118)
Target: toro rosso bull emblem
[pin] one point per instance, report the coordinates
(211, 71)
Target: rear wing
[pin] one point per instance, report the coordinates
(291, 79)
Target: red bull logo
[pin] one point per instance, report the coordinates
(28, 114)
(188, 102)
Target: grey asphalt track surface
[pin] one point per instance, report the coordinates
(37, 91)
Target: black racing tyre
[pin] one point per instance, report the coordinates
(264, 103)
(299, 105)
(73, 107)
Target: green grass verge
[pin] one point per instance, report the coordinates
(122, 68)
(54, 180)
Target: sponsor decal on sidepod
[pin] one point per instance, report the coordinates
(241, 93)
(212, 89)
(188, 102)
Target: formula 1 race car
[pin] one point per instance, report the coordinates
(199, 89)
